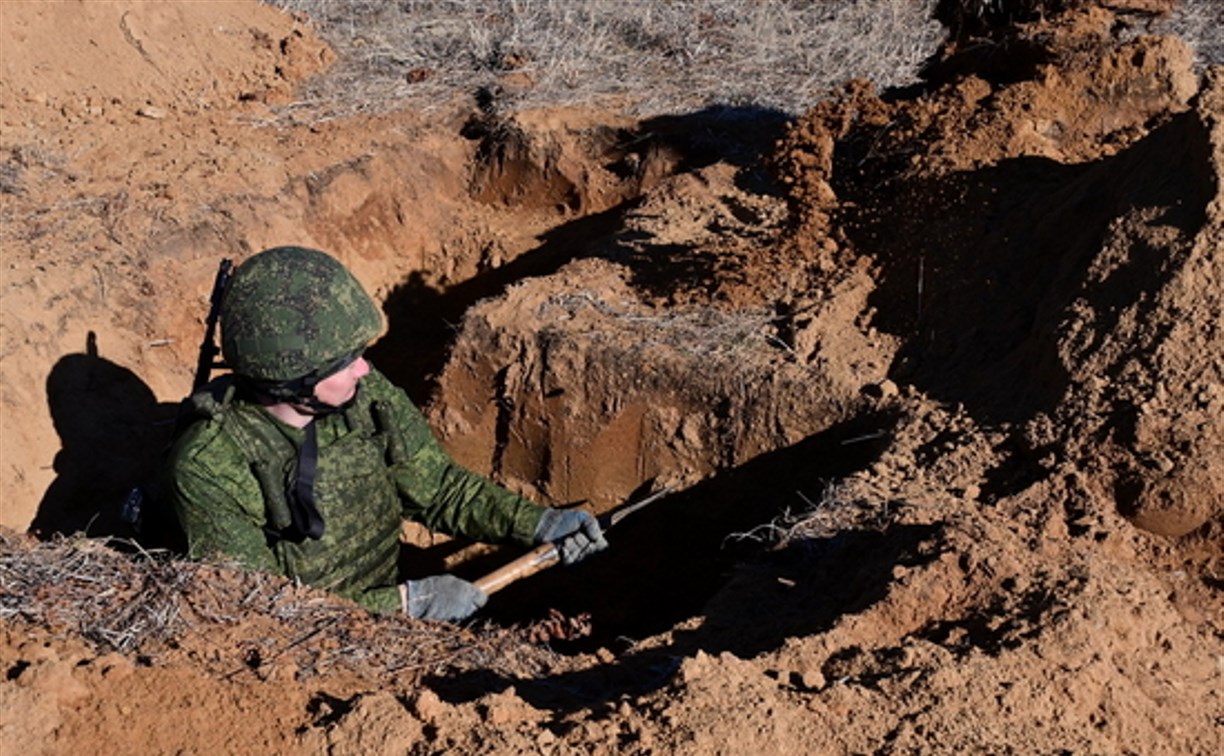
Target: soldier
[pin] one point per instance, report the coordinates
(305, 459)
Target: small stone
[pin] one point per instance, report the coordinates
(151, 111)
(427, 706)
(813, 679)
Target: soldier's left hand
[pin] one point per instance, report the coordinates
(442, 597)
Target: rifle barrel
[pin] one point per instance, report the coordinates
(208, 347)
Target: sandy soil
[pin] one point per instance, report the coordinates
(937, 378)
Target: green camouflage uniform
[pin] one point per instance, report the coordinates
(378, 463)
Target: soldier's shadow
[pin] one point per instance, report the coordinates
(112, 432)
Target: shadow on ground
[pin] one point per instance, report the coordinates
(112, 432)
(980, 269)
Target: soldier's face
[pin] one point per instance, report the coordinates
(339, 387)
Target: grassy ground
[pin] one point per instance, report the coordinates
(647, 56)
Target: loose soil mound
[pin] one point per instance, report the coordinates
(940, 398)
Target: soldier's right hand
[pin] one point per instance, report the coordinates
(576, 533)
(442, 597)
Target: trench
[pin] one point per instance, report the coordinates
(665, 563)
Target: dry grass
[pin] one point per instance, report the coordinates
(649, 57)
(83, 585)
(644, 56)
(706, 333)
(1201, 24)
(151, 604)
(835, 509)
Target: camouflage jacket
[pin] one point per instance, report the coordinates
(378, 463)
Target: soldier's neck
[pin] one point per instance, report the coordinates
(288, 414)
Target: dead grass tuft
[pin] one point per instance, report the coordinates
(84, 586)
(835, 510)
(701, 331)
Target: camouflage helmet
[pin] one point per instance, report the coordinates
(291, 312)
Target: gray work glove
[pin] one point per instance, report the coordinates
(442, 597)
(575, 532)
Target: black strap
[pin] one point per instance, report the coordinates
(302, 509)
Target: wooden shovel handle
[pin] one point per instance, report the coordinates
(541, 557)
(546, 555)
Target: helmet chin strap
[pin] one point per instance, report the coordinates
(300, 392)
(304, 403)
(311, 405)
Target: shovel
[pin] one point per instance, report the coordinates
(546, 555)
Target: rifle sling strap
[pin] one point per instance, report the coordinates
(302, 509)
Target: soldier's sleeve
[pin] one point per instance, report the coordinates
(383, 599)
(218, 502)
(442, 494)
